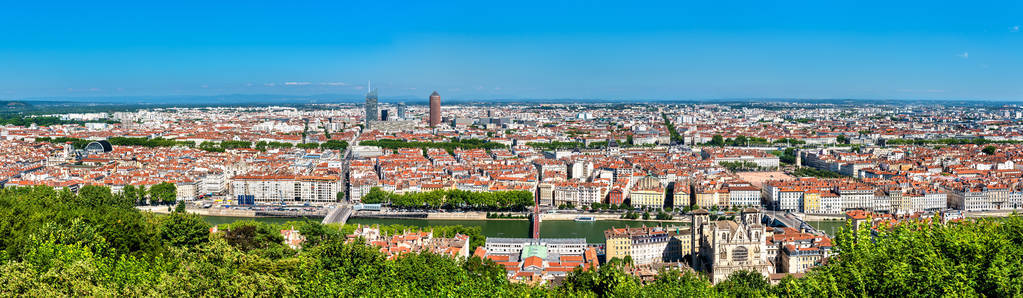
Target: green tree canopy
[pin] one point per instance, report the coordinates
(183, 229)
(249, 235)
(164, 192)
(989, 150)
(59, 243)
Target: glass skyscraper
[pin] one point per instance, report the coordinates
(372, 114)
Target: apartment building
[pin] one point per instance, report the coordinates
(760, 157)
(796, 252)
(743, 195)
(648, 245)
(275, 189)
(968, 198)
(647, 193)
(579, 193)
(537, 261)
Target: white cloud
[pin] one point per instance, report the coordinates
(334, 84)
(270, 84)
(1014, 28)
(964, 55)
(296, 83)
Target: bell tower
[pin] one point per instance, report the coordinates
(751, 216)
(700, 219)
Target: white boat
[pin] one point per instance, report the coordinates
(585, 218)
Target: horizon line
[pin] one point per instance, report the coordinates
(357, 97)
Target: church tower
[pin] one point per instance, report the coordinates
(751, 216)
(700, 218)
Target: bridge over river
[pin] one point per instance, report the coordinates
(783, 218)
(338, 214)
(534, 222)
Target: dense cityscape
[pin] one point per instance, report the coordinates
(709, 188)
(511, 149)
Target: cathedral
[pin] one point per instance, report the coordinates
(726, 246)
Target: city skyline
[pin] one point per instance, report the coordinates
(511, 149)
(663, 51)
(739, 191)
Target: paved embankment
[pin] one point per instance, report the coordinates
(202, 211)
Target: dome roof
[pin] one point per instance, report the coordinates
(99, 146)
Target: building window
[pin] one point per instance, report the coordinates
(740, 254)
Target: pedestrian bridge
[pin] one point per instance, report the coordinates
(338, 214)
(781, 218)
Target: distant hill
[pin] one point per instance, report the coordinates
(13, 104)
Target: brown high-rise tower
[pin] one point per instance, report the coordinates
(434, 109)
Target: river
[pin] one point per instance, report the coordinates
(830, 227)
(592, 231)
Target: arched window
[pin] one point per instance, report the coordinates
(740, 254)
(724, 254)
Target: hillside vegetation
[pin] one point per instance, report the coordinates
(56, 243)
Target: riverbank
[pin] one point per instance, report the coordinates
(603, 216)
(467, 215)
(593, 231)
(970, 214)
(476, 215)
(225, 212)
(992, 213)
(822, 217)
(830, 227)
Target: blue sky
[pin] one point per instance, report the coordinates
(515, 49)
